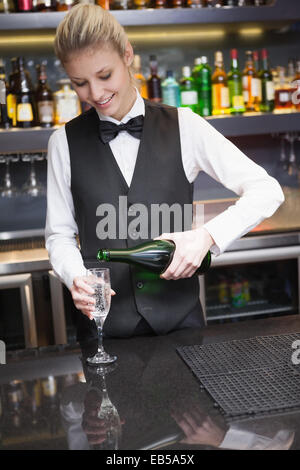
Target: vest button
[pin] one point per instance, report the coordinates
(139, 284)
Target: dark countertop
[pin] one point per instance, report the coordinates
(50, 398)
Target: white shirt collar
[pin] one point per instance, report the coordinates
(137, 109)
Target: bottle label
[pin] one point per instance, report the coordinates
(45, 110)
(189, 97)
(246, 96)
(224, 97)
(66, 109)
(270, 91)
(171, 96)
(238, 102)
(284, 96)
(12, 108)
(245, 83)
(24, 112)
(255, 87)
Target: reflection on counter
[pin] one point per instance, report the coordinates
(50, 399)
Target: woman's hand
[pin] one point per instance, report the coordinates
(81, 293)
(191, 248)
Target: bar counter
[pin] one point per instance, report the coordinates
(150, 398)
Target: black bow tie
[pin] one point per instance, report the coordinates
(108, 130)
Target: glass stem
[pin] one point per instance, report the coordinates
(100, 336)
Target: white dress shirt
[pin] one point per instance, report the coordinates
(202, 149)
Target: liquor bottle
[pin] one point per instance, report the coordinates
(202, 76)
(12, 92)
(250, 85)
(105, 4)
(155, 256)
(64, 5)
(25, 100)
(188, 90)
(283, 95)
(24, 6)
(154, 82)
(220, 92)
(291, 72)
(44, 99)
(170, 90)
(267, 103)
(66, 103)
(177, 3)
(237, 105)
(45, 5)
(140, 80)
(140, 4)
(296, 91)
(194, 4)
(215, 3)
(257, 68)
(158, 4)
(7, 6)
(6, 121)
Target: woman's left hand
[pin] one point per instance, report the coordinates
(191, 248)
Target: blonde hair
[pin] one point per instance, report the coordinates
(88, 26)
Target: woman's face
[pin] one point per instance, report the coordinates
(101, 78)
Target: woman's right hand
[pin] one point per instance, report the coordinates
(81, 293)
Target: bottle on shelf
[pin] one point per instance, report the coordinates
(257, 68)
(12, 93)
(220, 92)
(66, 103)
(296, 91)
(7, 6)
(170, 90)
(202, 76)
(188, 90)
(5, 120)
(140, 80)
(64, 5)
(194, 4)
(140, 4)
(105, 4)
(236, 98)
(44, 99)
(24, 6)
(177, 3)
(267, 103)
(154, 82)
(215, 3)
(283, 95)
(116, 4)
(45, 5)
(155, 256)
(25, 98)
(250, 85)
(158, 4)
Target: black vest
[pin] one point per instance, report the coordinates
(158, 178)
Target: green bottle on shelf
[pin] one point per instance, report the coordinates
(188, 90)
(155, 256)
(202, 76)
(235, 85)
(267, 103)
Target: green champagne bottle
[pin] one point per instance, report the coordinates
(268, 93)
(202, 76)
(155, 256)
(235, 86)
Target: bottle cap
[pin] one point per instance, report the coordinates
(204, 60)
(255, 55)
(234, 53)
(264, 54)
(218, 56)
(186, 71)
(197, 61)
(137, 62)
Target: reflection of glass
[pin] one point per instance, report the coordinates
(32, 187)
(99, 280)
(101, 421)
(7, 189)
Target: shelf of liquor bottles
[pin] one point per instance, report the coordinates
(282, 11)
(35, 139)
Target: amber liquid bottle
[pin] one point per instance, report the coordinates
(250, 85)
(140, 80)
(296, 91)
(154, 82)
(25, 97)
(44, 99)
(220, 92)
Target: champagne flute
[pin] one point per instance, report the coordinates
(99, 280)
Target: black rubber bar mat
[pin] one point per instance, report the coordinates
(247, 377)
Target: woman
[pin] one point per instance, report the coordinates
(155, 161)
